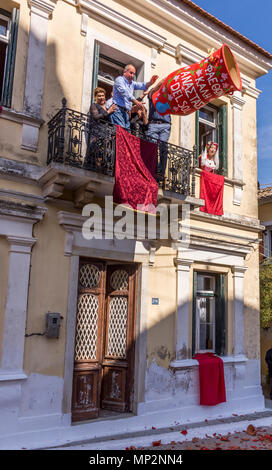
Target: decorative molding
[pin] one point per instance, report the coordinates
(228, 181)
(182, 264)
(29, 214)
(229, 220)
(6, 376)
(100, 10)
(21, 244)
(188, 363)
(41, 7)
(207, 34)
(21, 117)
(250, 90)
(154, 55)
(237, 100)
(189, 56)
(84, 24)
(239, 271)
(152, 252)
(32, 198)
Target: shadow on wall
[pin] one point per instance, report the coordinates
(153, 351)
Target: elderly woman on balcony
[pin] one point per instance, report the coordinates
(99, 116)
(98, 110)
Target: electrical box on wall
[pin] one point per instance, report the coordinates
(52, 326)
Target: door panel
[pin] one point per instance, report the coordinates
(114, 387)
(85, 394)
(88, 348)
(104, 344)
(119, 345)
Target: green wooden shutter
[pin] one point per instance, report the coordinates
(220, 315)
(95, 67)
(222, 139)
(197, 136)
(194, 314)
(10, 59)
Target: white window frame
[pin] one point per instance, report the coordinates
(6, 38)
(212, 125)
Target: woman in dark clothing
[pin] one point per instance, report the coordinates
(99, 117)
(98, 110)
(138, 121)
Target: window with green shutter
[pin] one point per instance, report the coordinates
(211, 125)
(209, 312)
(105, 69)
(8, 43)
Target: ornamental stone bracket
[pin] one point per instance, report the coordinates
(82, 184)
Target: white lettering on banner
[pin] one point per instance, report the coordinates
(200, 79)
(178, 93)
(216, 88)
(175, 87)
(197, 103)
(184, 107)
(207, 94)
(212, 80)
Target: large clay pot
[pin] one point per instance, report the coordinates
(190, 88)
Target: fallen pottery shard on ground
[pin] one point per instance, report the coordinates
(251, 438)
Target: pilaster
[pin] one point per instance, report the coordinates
(40, 11)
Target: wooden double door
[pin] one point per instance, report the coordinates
(104, 340)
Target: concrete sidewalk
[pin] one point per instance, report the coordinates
(128, 430)
(180, 433)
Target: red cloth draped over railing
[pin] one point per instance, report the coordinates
(135, 172)
(211, 190)
(211, 379)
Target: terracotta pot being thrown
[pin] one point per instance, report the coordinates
(190, 88)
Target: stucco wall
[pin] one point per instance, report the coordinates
(48, 292)
(4, 257)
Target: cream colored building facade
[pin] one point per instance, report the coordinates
(59, 44)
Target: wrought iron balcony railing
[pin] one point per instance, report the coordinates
(73, 140)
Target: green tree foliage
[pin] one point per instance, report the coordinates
(266, 294)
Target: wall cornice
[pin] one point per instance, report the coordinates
(203, 32)
(41, 7)
(98, 10)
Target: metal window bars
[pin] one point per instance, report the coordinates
(75, 140)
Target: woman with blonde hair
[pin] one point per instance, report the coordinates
(98, 110)
(98, 122)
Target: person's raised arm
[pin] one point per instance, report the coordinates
(151, 81)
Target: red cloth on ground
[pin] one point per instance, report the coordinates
(211, 379)
(211, 190)
(135, 171)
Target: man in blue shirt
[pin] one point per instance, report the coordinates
(159, 128)
(123, 97)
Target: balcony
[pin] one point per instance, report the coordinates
(86, 166)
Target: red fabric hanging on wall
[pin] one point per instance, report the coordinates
(211, 190)
(135, 171)
(211, 379)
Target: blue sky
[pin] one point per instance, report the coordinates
(253, 19)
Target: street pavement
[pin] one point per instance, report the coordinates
(237, 432)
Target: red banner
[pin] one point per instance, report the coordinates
(135, 172)
(211, 190)
(211, 379)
